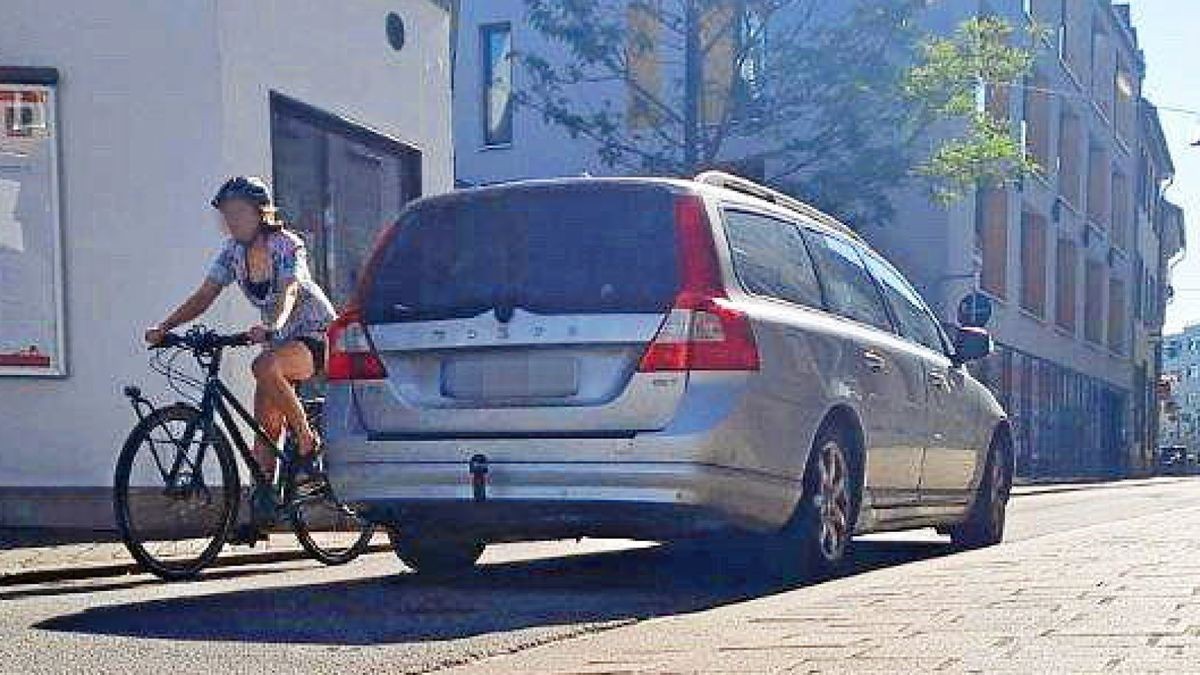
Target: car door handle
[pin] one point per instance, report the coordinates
(875, 360)
(938, 379)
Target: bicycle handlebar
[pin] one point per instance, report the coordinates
(204, 340)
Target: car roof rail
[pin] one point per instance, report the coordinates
(746, 186)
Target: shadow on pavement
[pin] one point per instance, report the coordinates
(127, 582)
(587, 589)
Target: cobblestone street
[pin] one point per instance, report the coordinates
(1090, 579)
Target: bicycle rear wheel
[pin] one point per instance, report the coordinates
(331, 532)
(175, 504)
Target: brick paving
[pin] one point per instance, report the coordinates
(1122, 597)
(25, 551)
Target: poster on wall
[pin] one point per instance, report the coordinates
(31, 310)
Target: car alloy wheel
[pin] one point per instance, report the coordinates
(832, 501)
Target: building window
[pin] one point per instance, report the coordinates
(1065, 285)
(31, 284)
(1070, 171)
(1126, 93)
(1122, 216)
(1118, 324)
(1099, 202)
(497, 83)
(645, 71)
(734, 44)
(1171, 351)
(991, 217)
(1075, 37)
(1102, 78)
(752, 82)
(338, 184)
(1033, 263)
(1093, 310)
(1037, 122)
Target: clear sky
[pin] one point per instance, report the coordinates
(1167, 30)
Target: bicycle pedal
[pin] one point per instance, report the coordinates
(248, 535)
(312, 485)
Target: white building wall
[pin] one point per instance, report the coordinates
(158, 102)
(336, 57)
(539, 149)
(139, 149)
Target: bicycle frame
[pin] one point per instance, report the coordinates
(218, 399)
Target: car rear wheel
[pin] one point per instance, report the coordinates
(435, 557)
(985, 526)
(817, 539)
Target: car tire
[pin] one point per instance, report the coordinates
(818, 537)
(985, 524)
(440, 557)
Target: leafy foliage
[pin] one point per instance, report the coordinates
(827, 101)
(948, 80)
(804, 94)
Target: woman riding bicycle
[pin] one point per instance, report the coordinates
(270, 265)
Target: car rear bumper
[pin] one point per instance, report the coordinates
(530, 500)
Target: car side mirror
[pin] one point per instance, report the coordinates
(971, 344)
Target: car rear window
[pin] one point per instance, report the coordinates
(587, 249)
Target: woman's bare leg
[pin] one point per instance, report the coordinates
(275, 371)
(271, 419)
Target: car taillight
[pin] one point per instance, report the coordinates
(703, 331)
(351, 356)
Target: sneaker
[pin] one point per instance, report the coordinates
(308, 476)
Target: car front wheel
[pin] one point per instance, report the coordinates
(985, 525)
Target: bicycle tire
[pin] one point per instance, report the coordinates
(330, 555)
(230, 495)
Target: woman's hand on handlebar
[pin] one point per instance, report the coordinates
(154, 335)
(258, 334)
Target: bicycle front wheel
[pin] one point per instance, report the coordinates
(175, 502)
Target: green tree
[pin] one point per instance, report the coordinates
(826, 101)
(952, 75)
(807, 95)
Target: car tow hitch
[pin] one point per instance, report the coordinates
(479, 471)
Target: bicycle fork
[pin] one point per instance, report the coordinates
(143, 408)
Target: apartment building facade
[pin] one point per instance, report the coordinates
(1073, 258)
(1180, 421)
(1072, 262)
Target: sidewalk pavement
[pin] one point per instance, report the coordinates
(1123, 596)
(31, 557)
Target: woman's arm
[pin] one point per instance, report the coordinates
(196, 304)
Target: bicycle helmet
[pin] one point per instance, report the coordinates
(250, 188)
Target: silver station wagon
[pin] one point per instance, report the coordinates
(655, 359)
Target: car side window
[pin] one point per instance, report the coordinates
(849, 289)
(770, 258)
(915, 321)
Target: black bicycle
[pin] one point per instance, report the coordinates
(177, 485)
